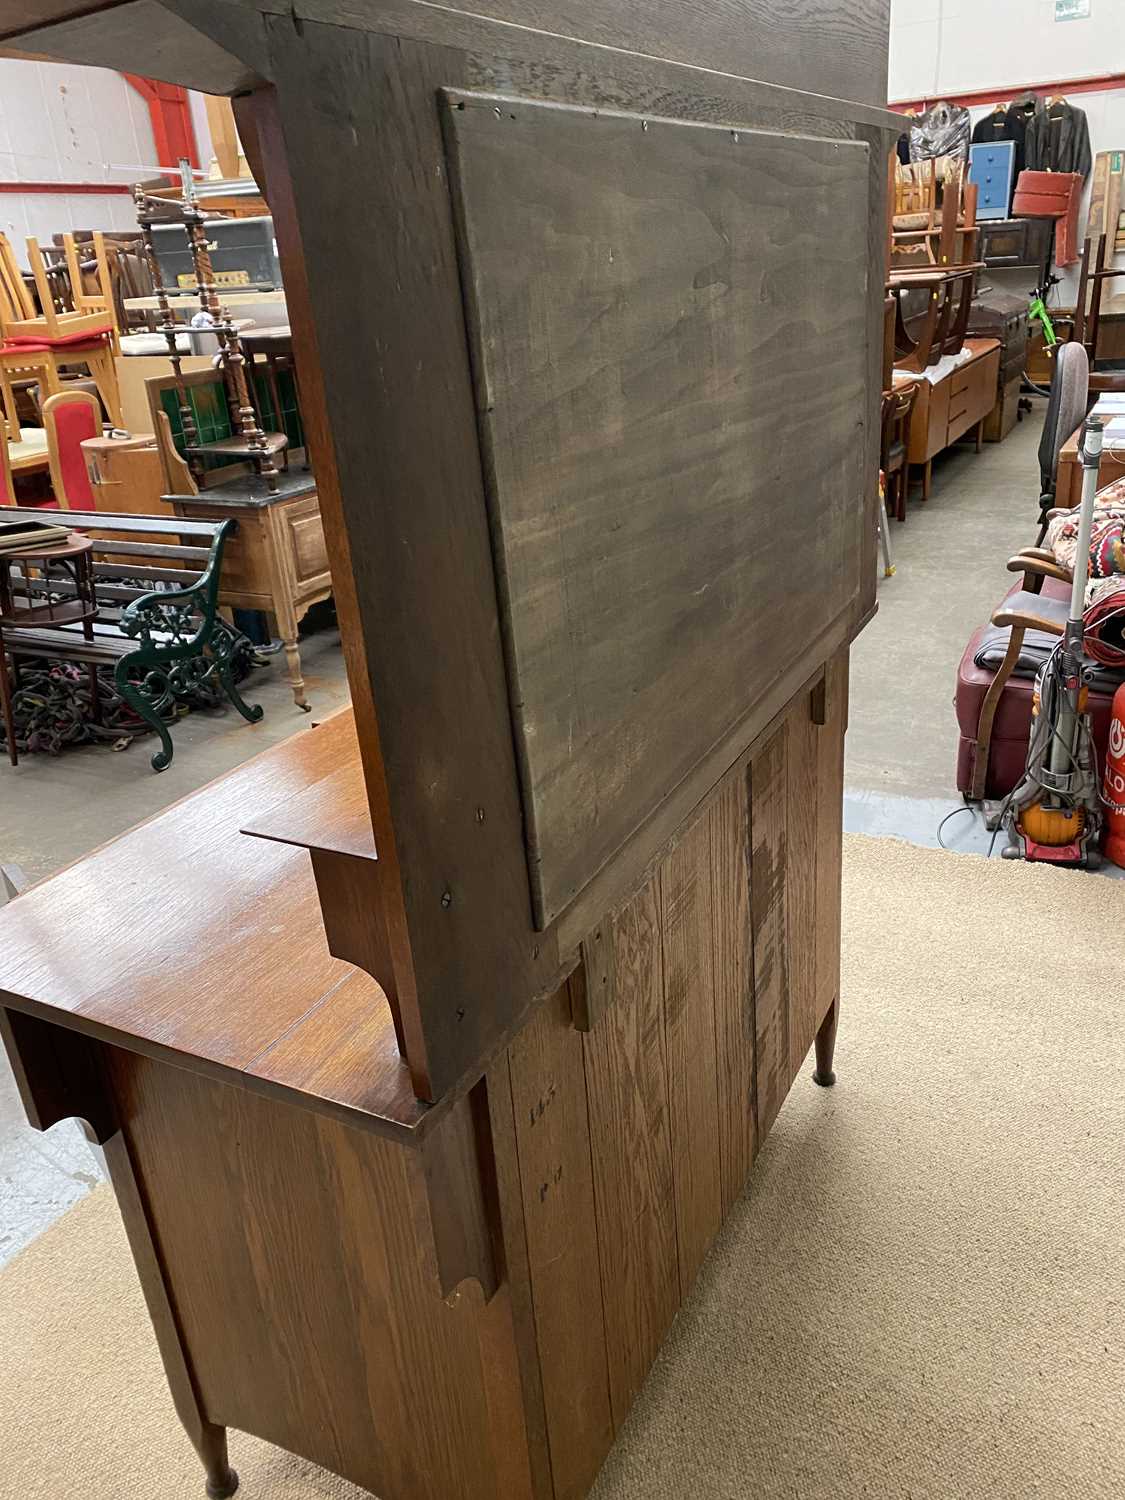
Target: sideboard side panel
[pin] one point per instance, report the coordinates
(300, 1265)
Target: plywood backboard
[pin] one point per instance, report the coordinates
(669, 340)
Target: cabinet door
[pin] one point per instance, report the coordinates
(1004, 243)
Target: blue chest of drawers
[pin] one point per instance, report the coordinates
(991, 166)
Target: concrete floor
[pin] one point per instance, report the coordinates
(950, 557)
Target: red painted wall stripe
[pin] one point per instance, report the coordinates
(66, 187)
(1104, 83)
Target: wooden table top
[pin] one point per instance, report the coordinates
(1074, 443)
(74, 544)
(188, 941)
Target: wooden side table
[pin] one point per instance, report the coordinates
(127, 474)
(278, 561)
(81, 607)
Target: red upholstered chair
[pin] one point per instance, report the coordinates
(69, 418)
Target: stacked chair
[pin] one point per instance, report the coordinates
(40, 343)
(931, 251)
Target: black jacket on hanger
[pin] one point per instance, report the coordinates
(1058, 140)
(1019, 116)
(1002, 125)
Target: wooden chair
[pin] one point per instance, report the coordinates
(932, 227)
(69, 418)
(40, 345)
(941, 327)
(49, 324)
(897, 406)
(7, 485)
(1087, 312)
(99, 301)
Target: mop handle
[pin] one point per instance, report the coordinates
(1091, 458)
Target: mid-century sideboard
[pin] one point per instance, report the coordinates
(430, 1049)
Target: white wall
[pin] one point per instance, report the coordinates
(942, 48)
(68, 124)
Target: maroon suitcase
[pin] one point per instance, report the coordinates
(1011, 728)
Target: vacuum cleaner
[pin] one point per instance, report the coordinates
(1055, 813)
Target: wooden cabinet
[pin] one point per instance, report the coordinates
(948, 408)
(506, 985)
(277, 560)
(1017, 242)
(502, 1267)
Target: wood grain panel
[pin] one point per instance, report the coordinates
(835, 47)
(549, 1106)
(362, 132)
(310, 555)
(769, 914)
(142, 35)
(635, 393)
(512, 1230)
(801, 862)
(253, 1205)
(735, 1032)
(630, 1142)
(687, 937)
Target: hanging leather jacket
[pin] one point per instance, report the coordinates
(1058, 140)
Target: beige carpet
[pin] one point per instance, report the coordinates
(921, 1297)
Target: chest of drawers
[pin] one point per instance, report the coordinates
(991, 167)
(946, 409)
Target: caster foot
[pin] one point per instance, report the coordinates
(222, 1489)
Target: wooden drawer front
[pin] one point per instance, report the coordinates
(960, 422)
(961, 381)
(972, 394)
(306, 541)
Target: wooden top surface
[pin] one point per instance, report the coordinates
(188, 941)
(980, 347)
(1070, 450)
(72, 545)
(250, 491)
(330, 814)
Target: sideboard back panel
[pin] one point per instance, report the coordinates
(657, 391)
